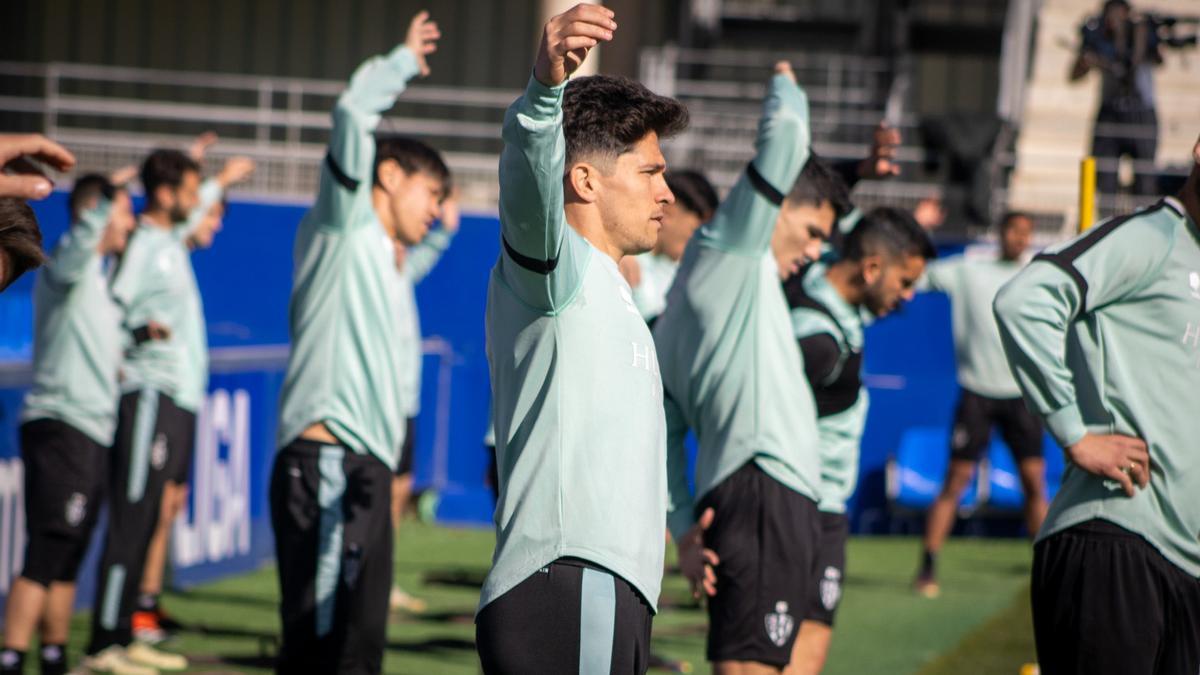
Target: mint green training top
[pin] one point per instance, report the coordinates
(77, 337)
(344, 326)
(972, 285)
(1103, 335)
(834, 332)
(730, 366)
(577, 396)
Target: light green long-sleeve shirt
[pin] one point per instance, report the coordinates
(650, 296)
(840, 430)
(418, 262)
(1103, 335)
(972, 285)
(343, 320)
(577, 396)
(730, 366)
(77, 338)
(155, 282)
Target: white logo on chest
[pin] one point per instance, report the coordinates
(1194, 284)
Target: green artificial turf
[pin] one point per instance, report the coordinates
(978, 625)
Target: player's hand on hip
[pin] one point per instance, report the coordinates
(567, 39)
(422, 38)
(1123, 459)
(697, 562)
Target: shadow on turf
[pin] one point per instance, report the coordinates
(462, 577)
(433, 645)
(205, 595)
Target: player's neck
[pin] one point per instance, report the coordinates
(158, 217)
(586, 220)
(844, 277)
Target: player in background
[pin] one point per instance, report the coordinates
(650, 274)
(990, 396)
(340, 423)
(881, 261)
(732, 373)
(69, 418)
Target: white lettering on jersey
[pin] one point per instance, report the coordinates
(644, 357)
(1191, 335)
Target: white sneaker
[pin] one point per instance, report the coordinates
(115, 660)
(144, 654)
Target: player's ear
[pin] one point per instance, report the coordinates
(872, 268)
(390, 175)
(582, 178)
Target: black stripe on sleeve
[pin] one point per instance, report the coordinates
(1065, 259)
(339, 175)
(1068, 266)
(531, 264)
(762, 186)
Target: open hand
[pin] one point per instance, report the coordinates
(422, 38)
(1123, 459)
(567, 39)
(199, 147)
(236, 170)
(696, 562)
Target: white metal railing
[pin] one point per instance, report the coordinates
(104, 113)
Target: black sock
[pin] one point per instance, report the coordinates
(928, 563)
(147, 602)
(54, 659)
(12, 660)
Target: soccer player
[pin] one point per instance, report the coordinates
(340, 425)
(1103, 335)
(577, 395)
(990, 396)
(162, 386)
(197, 232)
(731, 372)
(650, 274)
(68, 419)
(882, 259)
(412, 265)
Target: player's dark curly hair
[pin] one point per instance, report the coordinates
(412, 155)
(165, 167)
(20, 237)
(693, 192)
(818, 182)
(605, 116)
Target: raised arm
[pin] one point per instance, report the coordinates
(349, 164)
(1035, 310)
(533, 162)
(79, 245)
(745, 221)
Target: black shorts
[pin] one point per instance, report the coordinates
(831, 568)
(181, 428)
(1106, 601)
(766, 536)
(568, 617)
(975, 417)
(405, 465)
(331, 516)
(64, 486)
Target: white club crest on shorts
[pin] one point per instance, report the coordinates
(831, 588)
(158, 451)
(76, 509)
(780, 624)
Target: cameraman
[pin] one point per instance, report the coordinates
(1125, 48)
